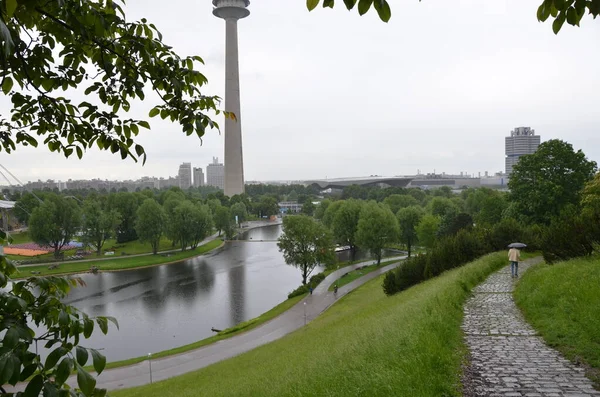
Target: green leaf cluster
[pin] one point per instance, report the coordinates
(52, 48)
(381, 6)
(38, 301)
(305, 243)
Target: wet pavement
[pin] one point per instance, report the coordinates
(508, 358)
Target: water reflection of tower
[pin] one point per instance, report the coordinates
(237, 284)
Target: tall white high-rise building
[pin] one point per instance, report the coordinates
(522, 141)
(231, 11)
(185, 176)
(215, 174)
(198, 177)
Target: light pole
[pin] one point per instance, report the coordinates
(304, 313)
(150, 365)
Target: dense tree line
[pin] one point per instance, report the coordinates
(184, 217)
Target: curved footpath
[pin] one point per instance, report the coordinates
(289, 321)
(508, 358)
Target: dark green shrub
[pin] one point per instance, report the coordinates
(570, 235)
(447, 253)
(410, 272)
(301, 290)
(506, 232)
(389, 283)
(316, 279)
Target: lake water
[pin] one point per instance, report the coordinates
(167, 306)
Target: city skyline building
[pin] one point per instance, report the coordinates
(215, 174)
(198, 177)
(185, 176)
(231, 11)
(522, 141)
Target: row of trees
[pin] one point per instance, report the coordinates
(56, 219)
(554, 205)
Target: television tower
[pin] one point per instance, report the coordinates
(231, 11)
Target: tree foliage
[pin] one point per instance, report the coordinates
(398, 201)
(427, 230)
(408, 219)
(39, 301)
(151, 223)
(55, 222)
(305, 243)
(545, 182)
(52, 48)
(222, 219)
(345, 224)
(126, 204)
(192, 223)
(239, 210)
(99, 224)
(570, 11)
(377, 228)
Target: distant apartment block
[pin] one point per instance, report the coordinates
(185, 176)
(198, 177)
(522, 141)
(215, 174)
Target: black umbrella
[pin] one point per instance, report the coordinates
(517, 245)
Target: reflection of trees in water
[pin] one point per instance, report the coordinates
(237, 290)
(237, 282)
(183, 284)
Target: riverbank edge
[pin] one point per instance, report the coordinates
(227, 333)
(191, 256)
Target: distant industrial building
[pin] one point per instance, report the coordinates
(198, 177)
(185, 176)
(215, 174)
(522, 141)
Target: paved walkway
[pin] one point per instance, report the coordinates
(289, 321)
(508, 358)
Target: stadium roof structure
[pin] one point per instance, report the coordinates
(340, 183)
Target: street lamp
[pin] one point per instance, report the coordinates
(150, 365)
(304, 313)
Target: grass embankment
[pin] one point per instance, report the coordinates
(366, 344)
(562, 302)
(358, 273)
(121, 263)
(224, 334)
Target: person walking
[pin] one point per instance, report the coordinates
(514, 256)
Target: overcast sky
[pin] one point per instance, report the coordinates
(332, 94)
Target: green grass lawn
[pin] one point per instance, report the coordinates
(367, 344)
(358, 273)
(121, 263)
(20, 238)
(562, 302)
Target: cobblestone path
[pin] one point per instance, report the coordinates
(508, 358)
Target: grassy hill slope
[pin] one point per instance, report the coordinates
(562, 302)
(367, 344)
